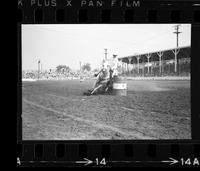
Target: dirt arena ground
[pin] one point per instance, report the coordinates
(152, 109)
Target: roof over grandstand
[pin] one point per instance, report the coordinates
(151, 52)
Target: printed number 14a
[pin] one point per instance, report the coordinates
(189, 162)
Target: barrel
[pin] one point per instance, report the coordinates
(119, 86)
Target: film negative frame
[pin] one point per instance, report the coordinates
(112, 153)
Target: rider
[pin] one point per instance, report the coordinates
(102, 77)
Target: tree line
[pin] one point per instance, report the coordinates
(64, 68)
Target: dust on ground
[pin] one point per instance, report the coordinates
(58, 110)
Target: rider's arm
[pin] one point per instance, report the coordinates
(98, 73)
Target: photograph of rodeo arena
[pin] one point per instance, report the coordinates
(106, 82)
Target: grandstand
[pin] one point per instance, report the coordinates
(169, 62)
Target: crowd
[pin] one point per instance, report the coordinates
(53, 74)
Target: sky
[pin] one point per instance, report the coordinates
(70, 44)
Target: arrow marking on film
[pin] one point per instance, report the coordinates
(171, 161)
(85, 162)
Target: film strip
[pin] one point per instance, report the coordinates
(108, 154)
(111, 153)
(108, 12)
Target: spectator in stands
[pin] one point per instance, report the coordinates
(114, 66)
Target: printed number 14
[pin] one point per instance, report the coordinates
(103, 161)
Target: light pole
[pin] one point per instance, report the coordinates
(105, 54)
(38, 69)
(176, 50)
